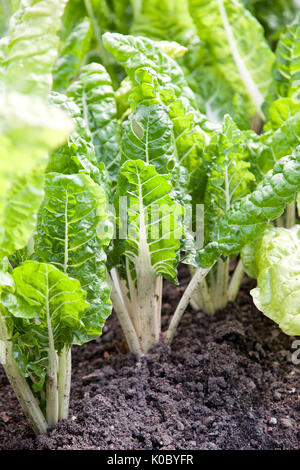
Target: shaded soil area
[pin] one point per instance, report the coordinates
(227, 383)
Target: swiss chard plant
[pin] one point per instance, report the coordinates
(112, 145)
(163, 116)
(231, 69)
(273, 259)
(53, 292)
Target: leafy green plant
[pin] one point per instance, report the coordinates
(44, 310)
(273, 260)
(180, 105)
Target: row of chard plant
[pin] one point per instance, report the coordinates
(178, 105)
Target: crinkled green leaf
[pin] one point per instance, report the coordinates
(59, 305)
(32, 46)
(247, 218)
(94, 95)
(229, 176)
(236, 41)
(273, 145)
(281, 111)
(79, 147)
(134, 53)
(268, 249)
(286, 70)
(158, 79)
(148, 135)
(69, 237)
(72, 54)
(154, 218)
(277, 295)
(216, 97)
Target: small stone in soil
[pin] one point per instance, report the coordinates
(277, 396)
(273, 421)
(286, 422)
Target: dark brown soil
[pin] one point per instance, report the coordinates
(227, 383)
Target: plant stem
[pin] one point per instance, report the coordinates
(25, 396)
(125, 321)
(20, 386)
(235, 282)
(51, 379)
(64, 382)
(201, 299)
(207, 303)
(290, 214)
(279, 222)
(184, 301)
(159, 287)
(221, 292)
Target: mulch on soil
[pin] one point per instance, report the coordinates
(226, 383)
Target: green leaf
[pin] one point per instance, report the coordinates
(94, 95)
(71, 235)
(274, 145)
(59, 304)
(29, 129)
(277, 256)
(148, 135)
(154, 218)
(7, 8)
(32, 45)
(165, 20)
(19, 216)
(134, 53)
(281, 111)
(72, 55)
(274, 15)
(67, 157)
(229, 177)
(248, 217)
(158, 79)
(216, 96)
(266, 250)
(122, 15)
(236, 41)
(286, 70)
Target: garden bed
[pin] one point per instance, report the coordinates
(227, 383)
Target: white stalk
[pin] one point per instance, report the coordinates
(21, 388)
(64, 382)
(201, 299)
(184, 301)
(290, 215)
(236, 281)
(220, 294)
(125, 321)
(132, 302)
(205, 295)
(159, 287)
(146, 291)
(51, 379)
